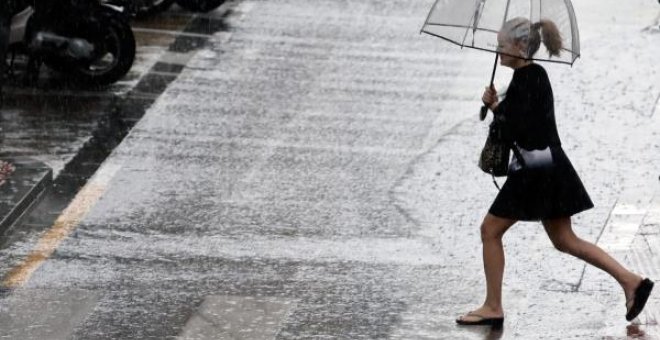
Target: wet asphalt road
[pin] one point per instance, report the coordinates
(272, 192)
(269, 194)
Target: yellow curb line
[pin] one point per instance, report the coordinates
(81, 205)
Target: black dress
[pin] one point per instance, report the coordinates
(533, 195)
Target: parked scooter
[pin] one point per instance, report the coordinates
(143, 8)
(147, 8)
(89, 40)
(200, 5)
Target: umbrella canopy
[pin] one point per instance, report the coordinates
(475, 23)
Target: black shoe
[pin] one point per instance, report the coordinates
(642, 293)
(483, 321)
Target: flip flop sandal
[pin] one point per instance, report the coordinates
(494, 322)
(642, 293)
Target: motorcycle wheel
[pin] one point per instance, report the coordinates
(200, 5)
(114, 54)
(147, 8)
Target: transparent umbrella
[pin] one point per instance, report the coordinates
(476, 23)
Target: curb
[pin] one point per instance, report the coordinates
(22, 189)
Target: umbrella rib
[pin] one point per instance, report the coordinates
(506, 11)
(477, 14)
(462, 26)
(481, 48)
(426, 22)
(574, 28)
(473, 20)
(487, 50)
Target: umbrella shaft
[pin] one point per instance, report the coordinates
(492, 77)
(484, 108)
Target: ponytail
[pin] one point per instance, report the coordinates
(551, 37)
(520, 30)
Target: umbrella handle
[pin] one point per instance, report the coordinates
(483, 113)
(484, 109)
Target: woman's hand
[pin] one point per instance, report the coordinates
(490, 97)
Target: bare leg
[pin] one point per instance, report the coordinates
(564, 239)
(492, 231)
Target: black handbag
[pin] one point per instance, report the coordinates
(495, 154)
(531, 159)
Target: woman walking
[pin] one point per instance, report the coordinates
(550, 193)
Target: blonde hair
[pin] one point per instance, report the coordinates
(522, 30)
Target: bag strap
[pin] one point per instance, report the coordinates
(517, 153)
(495, 182)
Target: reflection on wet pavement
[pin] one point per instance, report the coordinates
(50, 127)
